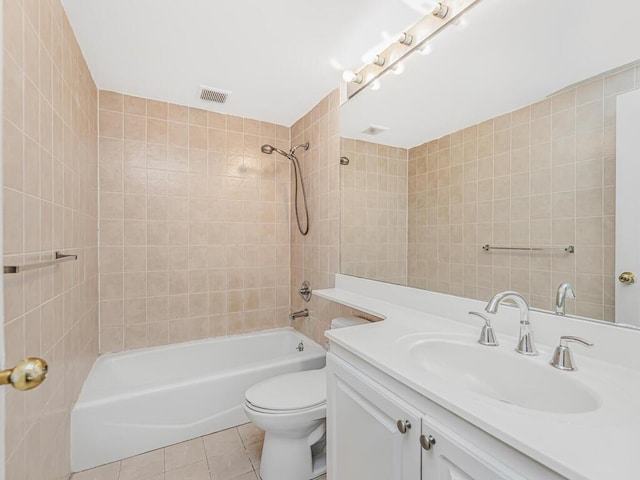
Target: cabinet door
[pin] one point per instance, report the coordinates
(364, 441)
(452, 457)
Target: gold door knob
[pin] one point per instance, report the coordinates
(627, 278)
(27, 374)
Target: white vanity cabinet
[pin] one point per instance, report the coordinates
(450, 456)
(365, 441)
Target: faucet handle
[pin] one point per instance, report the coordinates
(487, 335)
(563, 356)
(570, 338)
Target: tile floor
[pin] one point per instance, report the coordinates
(233, 454)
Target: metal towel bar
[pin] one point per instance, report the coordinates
(569, 249)
(60, 258)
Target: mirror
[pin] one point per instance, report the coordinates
(504, 135)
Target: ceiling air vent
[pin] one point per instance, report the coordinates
(210, 94)
(374, 130)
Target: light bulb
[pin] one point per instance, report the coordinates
(424, 49)
(375, 85)
(405, 39)
(398, 68)
(351, 76)
(378, 60)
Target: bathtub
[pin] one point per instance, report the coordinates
(136, 401)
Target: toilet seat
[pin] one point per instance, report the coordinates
(293, 392)
(252, 407)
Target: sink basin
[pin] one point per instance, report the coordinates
(503, 375)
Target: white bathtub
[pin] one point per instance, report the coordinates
(137, 401)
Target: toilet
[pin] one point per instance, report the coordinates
(291, 409)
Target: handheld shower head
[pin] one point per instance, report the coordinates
(269, 149)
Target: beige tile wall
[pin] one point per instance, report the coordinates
(194, 224)
(50, 203)
(316, 257)
(373, 211)
(542, 175)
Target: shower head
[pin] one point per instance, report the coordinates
(269, 149)
(301, 145)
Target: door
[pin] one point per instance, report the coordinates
(627, 201)
(372, 434)
(2, 358)
(448, 456)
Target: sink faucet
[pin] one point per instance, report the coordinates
(525, 346)
(565, 289)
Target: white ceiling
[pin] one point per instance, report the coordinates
(275, 56)
(512, 53)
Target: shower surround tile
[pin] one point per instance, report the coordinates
(50, 131)
(194, 224)
(316, 256)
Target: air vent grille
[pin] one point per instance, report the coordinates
(210, 94)
(374, 130)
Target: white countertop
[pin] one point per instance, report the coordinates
(600, 444)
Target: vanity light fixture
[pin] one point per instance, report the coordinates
(405, 39)
(440, 10)
(415, 38)
(350, 76)
(378, 60)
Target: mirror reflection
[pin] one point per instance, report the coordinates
(533, 167)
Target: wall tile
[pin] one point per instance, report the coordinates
(160, 188)
(50, 124)
(546, 178)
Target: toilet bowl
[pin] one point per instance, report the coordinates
(291, 409)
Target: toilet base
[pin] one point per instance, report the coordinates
(286, 458)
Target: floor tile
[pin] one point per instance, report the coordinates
(232, 454)
(195, 471)
(255, 454)
(221, 443)
(105, 472)
(250, 434)
(229, 466)
(247, 476)
(183, 454)
(142, 466)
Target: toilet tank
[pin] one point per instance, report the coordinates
(351, 321)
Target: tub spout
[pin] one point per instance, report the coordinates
(301, 313)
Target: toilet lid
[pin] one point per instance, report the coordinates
(292, 391)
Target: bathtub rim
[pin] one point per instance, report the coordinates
(82, 402)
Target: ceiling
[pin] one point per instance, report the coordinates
(277, 57)
(511, 53)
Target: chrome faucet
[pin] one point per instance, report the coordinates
(565, 289)
(301, 313)
(526, 345)
(487, 335)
